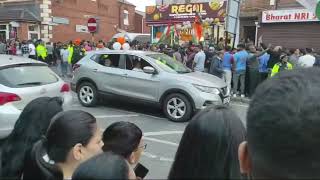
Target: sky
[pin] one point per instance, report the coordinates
(141, 4)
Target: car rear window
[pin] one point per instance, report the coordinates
(27, 76)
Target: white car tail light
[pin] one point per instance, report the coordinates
(8, 97)
(65, 88)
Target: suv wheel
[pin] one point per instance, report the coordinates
(87, 94)
(177, 108)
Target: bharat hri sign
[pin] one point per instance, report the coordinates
(296, 15)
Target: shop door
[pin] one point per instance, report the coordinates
(3, 32)
(3, 35)
(250, 33)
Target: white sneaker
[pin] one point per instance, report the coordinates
(235, 95)
(242, 95)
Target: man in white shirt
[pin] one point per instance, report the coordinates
(307, 60)
(199, 60)
(32, 51)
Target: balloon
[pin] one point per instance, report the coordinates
(125, 46)
(121, 40)
(116, 46)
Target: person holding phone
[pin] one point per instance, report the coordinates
(125, 139)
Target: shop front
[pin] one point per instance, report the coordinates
(296, 28)
(179, 23)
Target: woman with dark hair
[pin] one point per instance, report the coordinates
(209, 146)
(72, 138)
(104, 166)
(30, 126)
(125, 139)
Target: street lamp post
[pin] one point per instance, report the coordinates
(257, 30)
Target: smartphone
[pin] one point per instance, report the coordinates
(141, 171)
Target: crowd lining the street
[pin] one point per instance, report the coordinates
(242, 68)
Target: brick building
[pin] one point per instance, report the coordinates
(279, 22)
(140, 23)
(64, 20)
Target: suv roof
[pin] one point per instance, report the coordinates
(125, 52)
(7, 60)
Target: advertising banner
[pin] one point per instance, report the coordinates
(296, 15)
(186, 12)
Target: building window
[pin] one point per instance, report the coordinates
(33, 32)
(126, 17)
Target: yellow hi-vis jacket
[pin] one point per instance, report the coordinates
(276, 68)
(41, 51)
(70, 49)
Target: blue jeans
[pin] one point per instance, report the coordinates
(63, 68)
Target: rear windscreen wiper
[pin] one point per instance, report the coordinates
(29, 83)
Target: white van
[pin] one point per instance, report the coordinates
(142, 38)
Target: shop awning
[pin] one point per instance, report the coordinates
(22, 12)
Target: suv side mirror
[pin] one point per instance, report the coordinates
(149, 70)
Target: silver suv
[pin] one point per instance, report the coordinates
(150, 77)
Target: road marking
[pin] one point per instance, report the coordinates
(149, 155)
(152, 156)
(240, 105)
(162, 133)
(116, 116)
(161, 141)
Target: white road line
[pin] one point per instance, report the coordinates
(116, 116)
(149, 155)
(152, 156)
(161, 141)
(162, 133)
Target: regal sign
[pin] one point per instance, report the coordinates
(186, 12)
(296, 15)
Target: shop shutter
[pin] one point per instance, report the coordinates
(291, 35)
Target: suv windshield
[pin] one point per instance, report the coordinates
(27, 76)
(168, 64)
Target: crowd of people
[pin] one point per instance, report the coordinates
(245, 67)
(242, 68)
(280, 140)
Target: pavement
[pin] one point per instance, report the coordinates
(161, 135)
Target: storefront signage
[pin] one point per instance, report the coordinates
(296, 15)
(185, 12)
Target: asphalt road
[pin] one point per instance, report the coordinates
(162, 136)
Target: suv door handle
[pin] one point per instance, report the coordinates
(95, 70)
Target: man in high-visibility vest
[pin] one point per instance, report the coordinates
(41, 52)
(281, 66)
(70, 50)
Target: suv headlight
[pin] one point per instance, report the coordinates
(206, 89)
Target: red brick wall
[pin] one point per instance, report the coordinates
(77, 10)
(131, 10)
(139, 20)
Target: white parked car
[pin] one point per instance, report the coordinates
(21, 81)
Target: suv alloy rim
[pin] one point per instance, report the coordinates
(86, 94)
(176, 108)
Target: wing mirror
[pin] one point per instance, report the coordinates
(149, 70)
